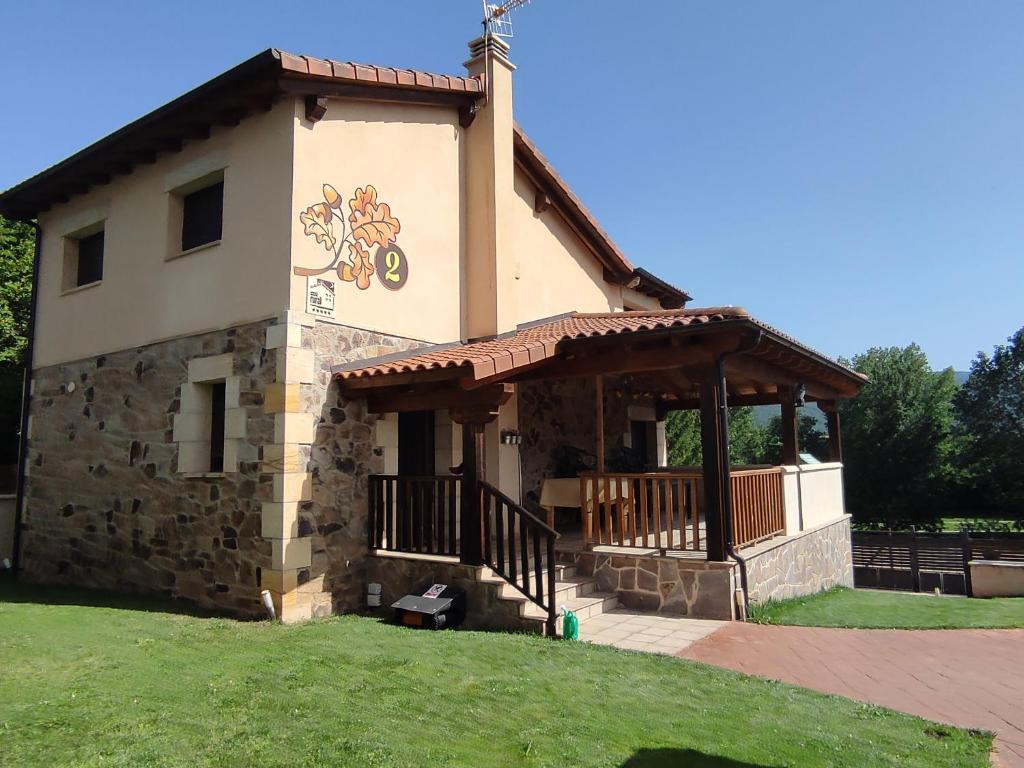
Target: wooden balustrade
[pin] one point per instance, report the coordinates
(661, 510)
(520, 548)
(414, 514)
(758, 512)
(665, 510)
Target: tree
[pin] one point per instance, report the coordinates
(990, 428)
(17, 245)
(16, 250)
(682, 435)
(897, 437)
(811, 439)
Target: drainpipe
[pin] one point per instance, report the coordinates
(723, 428)
(26, 396)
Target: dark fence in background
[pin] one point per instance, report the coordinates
(922, 562)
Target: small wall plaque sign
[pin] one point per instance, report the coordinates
(320, 296)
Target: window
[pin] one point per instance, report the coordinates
(83, 258)
(90, 259)
(202, 216)
(218, 393)
(210, 426)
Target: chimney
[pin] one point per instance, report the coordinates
(490, 191)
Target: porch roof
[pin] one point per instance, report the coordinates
(661, 350)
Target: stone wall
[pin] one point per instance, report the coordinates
(803, 564)
(106, 506)
(342, 457)
(673, 585)
(399, 576)
(558, 412)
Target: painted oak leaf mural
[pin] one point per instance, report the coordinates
(370, 224)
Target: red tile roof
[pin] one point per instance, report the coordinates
(368, 74)
(249, 87)
(534, 342)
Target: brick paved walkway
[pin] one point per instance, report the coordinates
(972, 678)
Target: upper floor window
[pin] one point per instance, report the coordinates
(83, 258)
(202, 216)
(90, 259)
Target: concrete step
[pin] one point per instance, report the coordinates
(562, 572)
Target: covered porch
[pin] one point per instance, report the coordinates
(701, 359)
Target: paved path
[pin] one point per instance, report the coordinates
(972, 678)
(636, 631)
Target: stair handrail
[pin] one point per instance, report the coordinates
(495, 556)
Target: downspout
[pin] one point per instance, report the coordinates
(723, 428)
(26, 397)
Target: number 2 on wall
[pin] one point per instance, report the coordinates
(392, 267)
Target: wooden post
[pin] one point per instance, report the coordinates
(790, 428)
(711, 445)
(599, 420)
(474, 416)
(835, 440)
(474, 470)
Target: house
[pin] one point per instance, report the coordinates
(316, 328)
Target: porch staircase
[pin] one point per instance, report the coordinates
(577, 593)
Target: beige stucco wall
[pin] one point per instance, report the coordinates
(994, 578)
(411, 156)
(555, 272)
(146, 297)
(821, 494)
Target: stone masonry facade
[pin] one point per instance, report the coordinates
(116, 499)
(561, 412)
(326, 448)
(106, 504)
(803, 564)
(672, 585)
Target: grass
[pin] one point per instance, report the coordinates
(869, 609)
(113, 685)
(979, 524)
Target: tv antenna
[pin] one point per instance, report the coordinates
(498, 18)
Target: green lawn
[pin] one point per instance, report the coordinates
(120, 686)
(869, 609)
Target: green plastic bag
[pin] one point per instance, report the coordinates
(570, 625)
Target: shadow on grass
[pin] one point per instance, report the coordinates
(14, 591)
(683, 758)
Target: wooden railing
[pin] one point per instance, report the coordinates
(758, 512)
(665, 510)
(652, 509)
(521, 549)
(414, 514)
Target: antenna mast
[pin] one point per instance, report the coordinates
(498, 18)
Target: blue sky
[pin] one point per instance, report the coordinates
(851, 172)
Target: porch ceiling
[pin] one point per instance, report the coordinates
(666, 352)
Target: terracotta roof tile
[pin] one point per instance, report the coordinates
(343, 70)
(318, 67)
(532, 343)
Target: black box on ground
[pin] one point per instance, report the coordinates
(432, 606)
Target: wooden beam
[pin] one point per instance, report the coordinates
(474, 469)
(711, 452)
(835, 439)
(437, 398)
(316, 107)
(599, 420)
(757, 371)
(375, 92)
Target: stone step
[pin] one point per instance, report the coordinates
(586, 607)
(562, 572)
(567, 588)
